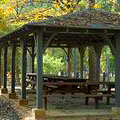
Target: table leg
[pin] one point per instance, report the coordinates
(45, 102)
(86, 100)
(96, 102)
(45, 97)
(108, 100)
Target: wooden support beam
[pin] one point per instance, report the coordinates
(75, 62)
(112, 47)
(5, 65)
(117, 71)
(32, 55)
(68, 52)
(0, 67)
(13, 67)
(49, 40)
(4, 90)
(29, 51)
(39, 86)
(78, 30)
(64, 51)
(69, 61)
(24, 67)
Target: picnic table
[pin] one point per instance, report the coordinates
(63, 84)
(51, 79)
(58, 81)
(59, 84)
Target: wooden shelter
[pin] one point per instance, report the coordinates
(79, 29)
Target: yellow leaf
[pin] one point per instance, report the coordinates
(56, 5)
(96, 6)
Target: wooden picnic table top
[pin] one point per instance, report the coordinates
(76, 83)
(64, 80)
(55, 77)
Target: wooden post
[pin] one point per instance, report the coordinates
(81, 66)
(23, 100)
(5, 66)
(5, 90)
(39, 86)
(0, 68)
(24, 66)
(13, 94)
(68, 62)
(74, 63)
(13, 67)
(39, 112)
(116, 47)
(81, 51)
(117, 72)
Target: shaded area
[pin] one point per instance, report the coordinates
(7, 110)
(84, 118)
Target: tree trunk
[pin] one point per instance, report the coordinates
(98, 51)
(91, 64)
(81, 52)
(29, 63)
(91, 51)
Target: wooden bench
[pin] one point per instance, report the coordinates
(96, 97)
(69, 87)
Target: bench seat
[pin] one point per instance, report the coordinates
(96, 97)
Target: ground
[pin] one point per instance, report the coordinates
(65, 108)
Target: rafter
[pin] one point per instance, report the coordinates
(49, 40)
(112, 47)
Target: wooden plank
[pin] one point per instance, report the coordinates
(80, 95)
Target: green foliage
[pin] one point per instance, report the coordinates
(15, 13)
(106, 52)
(52, 65)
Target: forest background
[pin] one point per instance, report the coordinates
(15, 13)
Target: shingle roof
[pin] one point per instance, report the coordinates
(91, 18)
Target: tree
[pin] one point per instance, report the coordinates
(91, 4)
(14, 13)
(52, 64)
